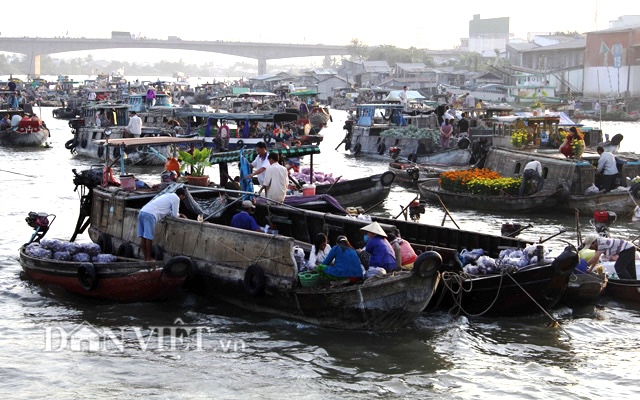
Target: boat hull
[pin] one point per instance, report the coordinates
(12, 138)
(360, 192)
(584, 289)
(623, 289)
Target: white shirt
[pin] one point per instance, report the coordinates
(533, 165)
(166, 204)
(317, 259)
(607, 164)
(470, 101)
(92, 96)
(276, 178)
(135, 125)
(403, 97)
(259, 163)
(98, 120)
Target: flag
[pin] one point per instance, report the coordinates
(603, 48)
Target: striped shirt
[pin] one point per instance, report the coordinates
(613, 247)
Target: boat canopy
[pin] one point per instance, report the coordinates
(411, 95)
(250, 154)
(563, 119)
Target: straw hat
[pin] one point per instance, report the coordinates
(374, 228)
(588, 241)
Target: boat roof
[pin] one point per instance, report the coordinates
(250, 154)
(270, 116)
(563, 119)
(394, 106)
(150, 140)
(256, 94)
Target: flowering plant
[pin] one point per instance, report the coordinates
(479, 181)
(519, 138)
(577, 147)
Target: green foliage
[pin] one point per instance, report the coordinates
(198, 161)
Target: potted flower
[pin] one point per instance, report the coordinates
(197, 162)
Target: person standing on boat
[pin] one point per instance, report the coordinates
(346, 261)
(223, 134)
(377, 246)
(244, 219)
(463, 126)
(445, 134)
(152, 212)
(608, 169)
(533, 170)
(150, 97)
(134, 128)
(276, 179)
(260, 164)
(625, 251)
(404, 98)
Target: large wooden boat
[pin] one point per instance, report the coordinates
(122, 280)
(543, 201)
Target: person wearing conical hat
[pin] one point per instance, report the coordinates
(377, 246)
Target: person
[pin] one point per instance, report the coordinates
(405, 255)
(404, 99)
(565, 148)
(91, 96)
(319, 251)
(596, 107)
(150, 97)
(469, 100)
(625, 251)
(292, 88)
(345, 259)
(479, 104)
(377, 247)
(134, 127)
(12, 85)
(6, 121)
(276, 179)
(260, 164)
(532, 170)
(12, 100)
(244, 219)
(224, 134)
(463, 126)
(15, 121)
(608, 168)
(150, 213)
(445, 134)
(98, 121)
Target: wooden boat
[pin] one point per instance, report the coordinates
(364, 192)
(255, 270)
(530, 289)
(410, 172)
(125, 280)
(26, 134)
(623, 289)
(544, 200)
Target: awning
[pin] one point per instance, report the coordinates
(250, 154)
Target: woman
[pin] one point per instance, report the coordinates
(405, 255)
(347, 263)
(380, 252)
(566, 148)
(319, 251)
(445, 134)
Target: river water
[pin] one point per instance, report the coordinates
(234, 354)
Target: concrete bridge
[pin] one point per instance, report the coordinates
(36, 47)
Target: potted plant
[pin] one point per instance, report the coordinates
(197, 162)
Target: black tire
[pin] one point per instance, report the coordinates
(178, 266)
(105, 243)
(464, 143)
(267, 138)
(87, 276)
(157, 253)
(84, 142)
(254, 280)
(100, 151)
(381, 148)
(412, 157)
(71, 144)
(616, 139)
(387, 178)
(125, 250)
(357, 148)
(427, 264)
(634, 190)
(240, 143)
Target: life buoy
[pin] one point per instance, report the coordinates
(387, 115)
(267, 138)
(427, 264)
(387, 178)
(87, 276)
(100, 151)
(464, 143)
(347, 145)
(178, 266)
(381, 148)
(254, 280)
(634, 189)
(105, 243)
(356, 148)
(156, 252)
(240, 143)
(412, 157)
(125, 250)
(71, 144)
(84, 142)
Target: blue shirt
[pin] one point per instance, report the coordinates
(243, 220)
(347, 262)
(382, 254)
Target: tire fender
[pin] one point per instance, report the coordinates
(464, 143)
(84, 142)
(381, 148)
(87, 276)
(254, 280)
(634, 190)
(357, 148)
(71, 144)
(157, 253)
(267, 138)
(427, 264)
(125, 250)
(100, 151)
(240, 143)
(105, 243)
(387, 178)
(178, 266)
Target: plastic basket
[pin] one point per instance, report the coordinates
(309, 278)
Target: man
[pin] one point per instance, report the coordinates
(134, 128)
(533, 170)
(260, 164)
(156, 209)
(626, 251)
(276, 179)
(223, 134)
(607, 167)
(404, 99)
(463, 126)
(91, 96)
(469, 100)
(244, 219)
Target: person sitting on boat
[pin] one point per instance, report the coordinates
(377, 248)
(532, 170)
(345, 259)
(244, 219)
(607, 168)
(625, 251)
(152, 212)
(5, 122)
(319, 251)
(260, 164)
(15, 121)
(276, 179)
(405, 255)
(134, 127)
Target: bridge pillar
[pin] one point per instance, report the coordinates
(262, 66)
(34, 66)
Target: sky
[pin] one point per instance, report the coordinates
(411, 23)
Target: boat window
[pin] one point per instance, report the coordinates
(545, 172)
(517, 170)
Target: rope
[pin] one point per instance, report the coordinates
(459, 278)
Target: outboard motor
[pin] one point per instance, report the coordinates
(394, 152)
(602, 220)
(40, 222)
(415, 210)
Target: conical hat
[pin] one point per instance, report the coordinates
(374, 228)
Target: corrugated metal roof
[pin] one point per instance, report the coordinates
(572, 45)
(376, 66)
